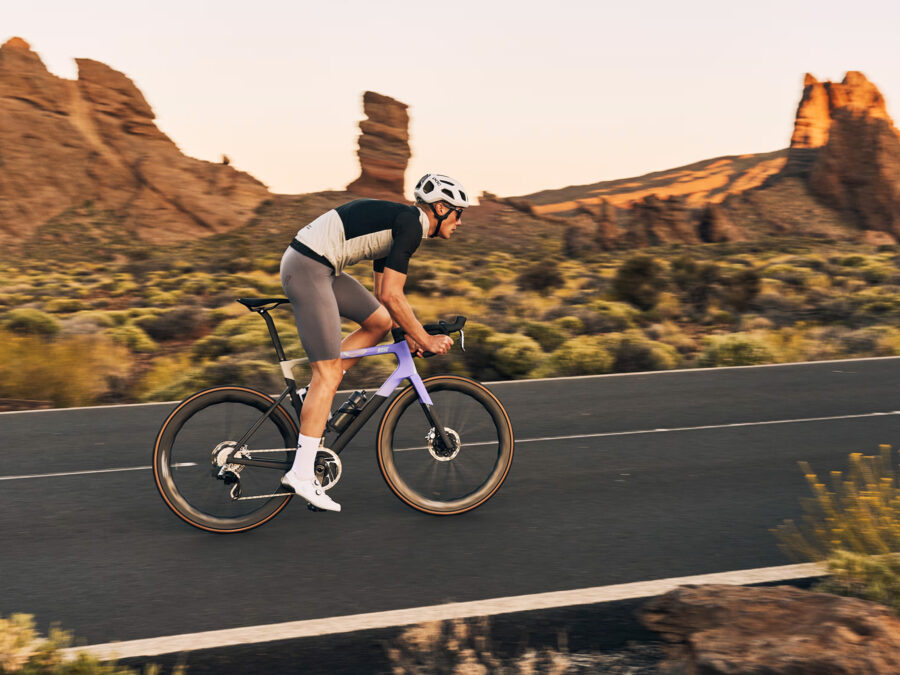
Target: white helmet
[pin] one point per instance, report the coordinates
(435, 187)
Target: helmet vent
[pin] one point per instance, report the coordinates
(428, 187)
(447, 192)
(463, 195)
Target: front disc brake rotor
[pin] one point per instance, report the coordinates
(436, 445)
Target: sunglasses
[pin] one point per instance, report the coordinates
(459, 212)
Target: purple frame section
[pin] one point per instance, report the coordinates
(406, 368)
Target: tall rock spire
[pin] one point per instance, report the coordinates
(383, 148)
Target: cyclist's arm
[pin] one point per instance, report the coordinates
(389, 291)
(377, 277)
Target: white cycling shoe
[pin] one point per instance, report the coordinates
(311, 490)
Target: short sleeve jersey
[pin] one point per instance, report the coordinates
(367, 229)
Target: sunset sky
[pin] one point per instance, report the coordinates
(508, 97)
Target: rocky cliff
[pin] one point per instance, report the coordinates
(839, 178)
(383, 148)
(64, 144)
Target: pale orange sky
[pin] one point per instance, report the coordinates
(505, 96)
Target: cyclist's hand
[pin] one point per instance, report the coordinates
(414, 347)
(439, 344)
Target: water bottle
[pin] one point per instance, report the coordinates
(348, 411)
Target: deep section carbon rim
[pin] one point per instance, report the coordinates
(191, 450)
(446, 480)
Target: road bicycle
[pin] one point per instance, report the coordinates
(444, 444)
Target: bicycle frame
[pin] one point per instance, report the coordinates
(406, 370)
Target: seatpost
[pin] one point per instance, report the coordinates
(279, 350)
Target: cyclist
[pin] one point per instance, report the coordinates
(313, 278)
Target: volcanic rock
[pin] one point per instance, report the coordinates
(716, 629)
(715, 226)
(657, 221)
(383, 148)
(64, 144)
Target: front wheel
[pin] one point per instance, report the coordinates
(440, 480)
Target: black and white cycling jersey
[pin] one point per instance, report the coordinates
(367, 229)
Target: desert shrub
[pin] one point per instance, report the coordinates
(29, 321)
(547, 335)
(261, 375)
(633, 352)
(570, 324)
(132, 337)
(76, 371)
(167, 372)
(639, 281)
(24, 650)
(583, 355)
(87, 323)
(609, 317)
(184, 323)
(855, 526)
(871, 341)
(695, 281)
(740, 288)
(421, 279)
(542, 277)
(514, 355)
(735, 349)
(64, 305)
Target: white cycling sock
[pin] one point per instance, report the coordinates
(305, 459)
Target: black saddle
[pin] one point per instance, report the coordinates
(254, 303)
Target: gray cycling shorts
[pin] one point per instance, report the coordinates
(319, 300)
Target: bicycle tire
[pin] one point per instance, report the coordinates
(492, 420)
(279, 427)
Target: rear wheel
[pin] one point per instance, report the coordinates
(446, 480)
(190, 459)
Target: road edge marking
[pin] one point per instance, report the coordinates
(230, 637)
(503, 382)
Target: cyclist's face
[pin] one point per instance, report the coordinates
(454, 220)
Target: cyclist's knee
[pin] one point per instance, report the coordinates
(327, 373)
(378, 322)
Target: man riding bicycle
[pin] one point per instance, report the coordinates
(321, 293)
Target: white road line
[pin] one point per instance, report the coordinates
(519, 441)
(514, 382)
(672, 429)
(456, 610)
(82, 473)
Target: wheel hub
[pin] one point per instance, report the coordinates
(436, 445)
(230, 473)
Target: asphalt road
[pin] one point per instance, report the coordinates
(649, 483)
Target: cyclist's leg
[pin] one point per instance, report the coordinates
(357, 304)
(307, 284)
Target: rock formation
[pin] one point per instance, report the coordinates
(383, 148)
(64, 144)
(715, 226)
(717, 629)
(657, 221)
(857, 171)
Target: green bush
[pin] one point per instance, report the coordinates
(855, 526)
(29, 321)
(514, 355)
(542, 277)
(184, 323)
(611, 317)
(64, 305)
(133, 338)
(633, 352)
(548, 336)
(23, 650)
(639, 281)
(583, 355)
(735, 349)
